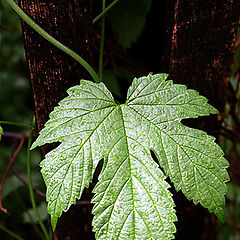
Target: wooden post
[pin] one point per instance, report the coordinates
(52, 72)
(202, 42)
(199, 43)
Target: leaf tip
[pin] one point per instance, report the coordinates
(38, 142)
(34, 145)
(220, 215)
(214, 111)
(54, 221)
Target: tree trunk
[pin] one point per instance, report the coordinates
(199, 42)
(52, 72)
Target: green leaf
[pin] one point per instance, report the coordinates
(132, 200)
(29, 215)
(79, 123)
(128, 19)
(191, 158)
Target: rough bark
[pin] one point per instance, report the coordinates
(52, 72)
(199, 43)
(203, 37)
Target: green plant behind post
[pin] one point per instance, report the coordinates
(31, 193)
(131, 200)
(1, 132)
(130, 25)
(100, 70)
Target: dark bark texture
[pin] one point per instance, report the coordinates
(202, 42)
(52, 72)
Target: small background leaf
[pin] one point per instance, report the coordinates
(111, 81)
(129, 22)
(29, 216)
(12, 183)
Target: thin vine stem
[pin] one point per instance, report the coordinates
(10, 233)
(10, 164)
(31, 193)
(104, 11)
(102, 43)
(52, 40)
(18, 124)
(29, 215)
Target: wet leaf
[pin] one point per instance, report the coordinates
(132, 200)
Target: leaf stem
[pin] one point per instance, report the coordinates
(31, 193)
(102, 43)
(16, 124)
(52, 40)
(104, 11)
(10, 233)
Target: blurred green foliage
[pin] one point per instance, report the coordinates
(15, 95)
(16, 105)
(232, 211)
(128, 19)
(230, 143)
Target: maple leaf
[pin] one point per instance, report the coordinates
(132, 200)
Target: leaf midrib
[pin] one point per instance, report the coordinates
(127, 144)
